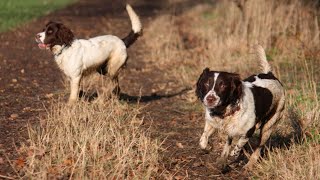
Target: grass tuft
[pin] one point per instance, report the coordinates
(97, 140)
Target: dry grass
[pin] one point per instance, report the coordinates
(97, 140)
(102, 139)
(221, 37)
(296, 162)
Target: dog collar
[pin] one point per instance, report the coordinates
(232, 111)
(60, 51)
(224, 111)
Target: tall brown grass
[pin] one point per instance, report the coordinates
(97, 140)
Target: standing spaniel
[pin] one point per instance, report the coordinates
(78, 57)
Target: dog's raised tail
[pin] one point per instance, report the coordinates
(136, 27)
(261, 55)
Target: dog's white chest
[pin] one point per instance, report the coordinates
(234, 125)
(70, 64)
(213, 121)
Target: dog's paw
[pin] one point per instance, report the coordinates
(252, 161)
(235, 152)
(225, 169)
(72, 101)
(248, 167)
(203, 142)
(222, 165)
(221, 161)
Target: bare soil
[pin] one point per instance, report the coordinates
(29, 79)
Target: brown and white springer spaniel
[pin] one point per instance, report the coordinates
(239, 107)
(78, 57)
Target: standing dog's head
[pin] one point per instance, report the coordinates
(218, 88)
(54, 34)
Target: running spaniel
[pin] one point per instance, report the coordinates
(239, 107)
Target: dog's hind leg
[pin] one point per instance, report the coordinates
(264, 136)
(265, 133)
(115, 81)
(103, 70)
(114, 65)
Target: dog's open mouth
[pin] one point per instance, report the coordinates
(43, 46)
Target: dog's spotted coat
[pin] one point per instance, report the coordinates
(239, 107)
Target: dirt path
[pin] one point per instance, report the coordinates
(28, 76)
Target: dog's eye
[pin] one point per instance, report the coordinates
(207, 84)
(222, 85)
(49, 31)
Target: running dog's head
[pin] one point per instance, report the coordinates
(218, 88)
(54, 34)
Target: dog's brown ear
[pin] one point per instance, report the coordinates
(49, 22)
(65, 35)
(236, 88)
(199, 90)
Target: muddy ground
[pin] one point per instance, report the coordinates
(29, 78)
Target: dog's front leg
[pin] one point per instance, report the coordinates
(74, 89)
(237, 149)
(222, 161)
(208, 130)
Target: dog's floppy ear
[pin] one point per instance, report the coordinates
(64, 34)
(49, 22)
(199, 90)
(236, 88)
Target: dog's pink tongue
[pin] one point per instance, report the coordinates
(42, 46)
